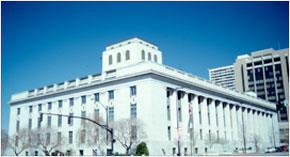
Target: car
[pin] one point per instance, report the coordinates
(285, 148)
(270, 150)
(279, 149)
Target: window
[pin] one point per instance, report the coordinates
(83, 115)
(133, 111)
(119, 57)
(143, 55)
(97, 114)
(59, 120)
(168, 112)
(173, 150)
(179, 114)
(59, 103)
(127, 55)
(84, 99)
(71, 119)
(49, 106)
(18, 111)
(30, 109)
(71, 102)
(111, 114)
(70, 137)
(30, 124)
(185, 151)
(59, 137)
(200, 133)
(111, 95)
(155, 58)
(149, 56)
(217, 134)
(39, 107)
(83, 136)
(199, 112)
(97, 97)
(216, 113)
(208, 111)
(49, 121)
(17, 125)
(16, 141)
(110, 59)
(38, 123)
(169, 133)
(47, 138)
(134, 133)
(133, 90)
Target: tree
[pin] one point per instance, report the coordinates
(212, 140)
(4, 141)
(142, 149)
(129, 132)
(20, 141)
(256, 140)
(193, 138)
(91, 134)
(47, 139)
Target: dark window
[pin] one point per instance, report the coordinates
(110, 60)
(59, 103)
(143, 55)
(49, 106)
(276, 59)
(133, 110)
(18, 111)
(111, 94)
(71, 119)
(119, 57)
(97, 98)
(71, 101)
(133, 90)
(30, 109)
(111, 114)
(149, 56)
(70, 135)
(59, 120)
(39, 107)
(84, 99)
(49, 121)
(17, 125)
(155, 58)
(30, 124)
(127, 55)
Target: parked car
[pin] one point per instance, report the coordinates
(279, 149)
(270, 150)
(285, 148)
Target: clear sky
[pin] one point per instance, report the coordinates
(43, 43)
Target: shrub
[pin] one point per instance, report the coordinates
(142, 149)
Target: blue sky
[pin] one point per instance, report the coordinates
(49, 42)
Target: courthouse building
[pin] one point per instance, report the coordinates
(175, 106)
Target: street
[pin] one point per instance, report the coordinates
(265, 154)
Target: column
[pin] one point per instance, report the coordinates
(213, 126)
(204, 118)
(220, 119)
(228, 121)
(234, 121)
(195, 113)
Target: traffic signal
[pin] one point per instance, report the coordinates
(279, 106)
(41, 117)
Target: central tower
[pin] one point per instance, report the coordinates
(129, 52)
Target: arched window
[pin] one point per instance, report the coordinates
(155, 58)
(119, 57)
(149, 56)
(127, 55)
(143, 55)
(110, 59)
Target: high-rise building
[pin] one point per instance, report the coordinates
(180, 113)
(223, 76)
(266, 73)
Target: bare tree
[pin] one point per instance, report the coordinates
(4, 141)
(129, 132)
(91, 134)
(20, 141)
(47, 139)
(193, 138)
(256, 140)
(211, 140)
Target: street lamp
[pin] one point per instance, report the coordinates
(178, 130)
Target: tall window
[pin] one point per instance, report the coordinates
(119, 57)
(127, 55)
(216, 113)
(155, 58)
(17, 125)
(179, 114)
(83, 115)
(47, 138)
(111, 94)
(111, 114)
(30, 109)
(30, 124)
(59, 103)
(149, 56)
(49, 105)
(110, 59)
(83, 136)
(39, 107)
(71, 119)
(49, 121)
(168, 112)
(133, 110)
(143, 55)
(18, 111)
(70, 137)
(71, 102)
(84, 100)
(97, 114)
(200, 133)
(133, 90)
(97, 97)
(208, 111)
(59, 120)
(169, 133)
(134, 133)
(231, 107)
(58, 137)
(16, 141)
(38, 123)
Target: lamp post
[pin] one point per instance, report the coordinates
(177, 117)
